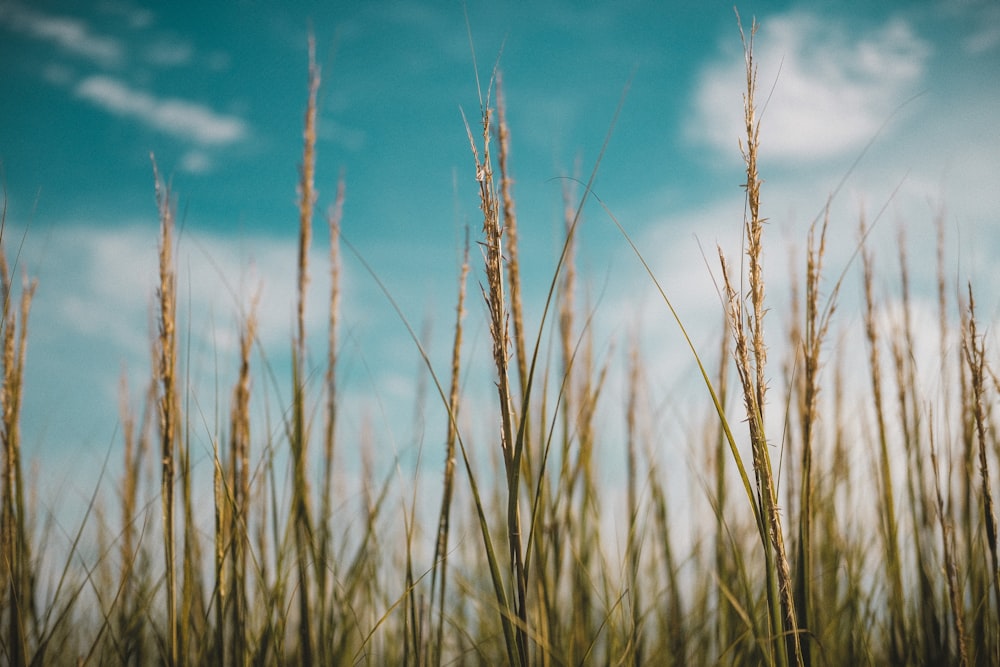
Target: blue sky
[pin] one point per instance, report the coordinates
(217, 92)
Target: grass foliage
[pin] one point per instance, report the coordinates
(808, 558)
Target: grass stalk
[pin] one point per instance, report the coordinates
(919, 499)
(165, 351)
(632, 555)
(222, 497)
(238, 533)
(724, 627)
(817, 322)
(510, 229)
(975, 356)
(751, 358)
(439, 572)
(573, 465)
(18, 596)
(887, 506)
(136, 444)
(325, 629)
(948, 550)
(496, 302)
(301, 521)
(192, 620)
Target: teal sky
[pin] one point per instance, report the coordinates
(217, 92)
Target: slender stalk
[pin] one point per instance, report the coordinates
(440, 562)
(16, 554)
(751, 358)
(136, 443)
(918, 499)
(192, 607)
(166, 374)
(299, 437)
(897, 643)
(975, 356)
(950, 564)
(239, 515)
(510, 229)
(325, 625)
(632, 506)
(816, 326)
(573, 464)
(496, 301)
(722, 569)
(223, 510)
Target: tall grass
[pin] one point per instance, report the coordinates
(870, 539)
(18, 597)
(165, 375)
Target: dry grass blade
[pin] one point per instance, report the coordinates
(165, 373)
(302, 525)
(751, 357)
(15, 548)
(325, 629)
(136, 445)
(307, 194)
(496, 301)
(887, 508)
(975, 356)
(237, 532)
(632, 505)
(817, 323)
(951, 566)
(440, 562)
(510, 229)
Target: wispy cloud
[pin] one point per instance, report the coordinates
(196, 162)
(985, 39)
(101, 286)
(69, 34)
(833, 85)
(106, 280)
(169, 53)
(351, 138)
(57, 74)
(181, 118)
(135, 17)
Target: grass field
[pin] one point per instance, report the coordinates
(806, 553)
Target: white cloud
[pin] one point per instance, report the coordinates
(105, 284)
(100, 283)
(136, 17)
(218, 61)
(69, 34)
(351, 138)
(168, 53)
(196, 162)
(58, 74)
(181, 118)
(987, 38)
(833, 86)
(102, 289)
